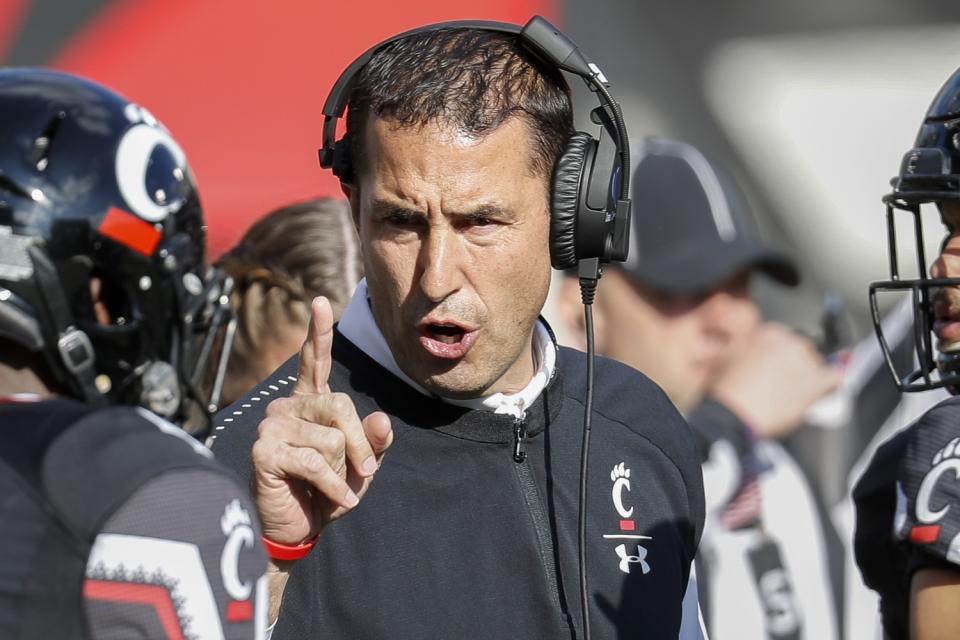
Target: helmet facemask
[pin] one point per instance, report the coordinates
(924, 179)
(929, 368)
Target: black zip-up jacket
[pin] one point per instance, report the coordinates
(469, 529)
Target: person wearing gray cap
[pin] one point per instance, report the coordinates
(680, 311)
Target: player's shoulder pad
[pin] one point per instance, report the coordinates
(92, 468)
(928, 483)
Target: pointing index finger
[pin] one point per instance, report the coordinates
(315, 359)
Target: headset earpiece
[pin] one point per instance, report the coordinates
(342, 165)
(585, 181)
(565, 198)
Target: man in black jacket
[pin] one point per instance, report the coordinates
(470, 528)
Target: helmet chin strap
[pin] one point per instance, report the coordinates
(72, 355)
(155, 385)
(948, 364)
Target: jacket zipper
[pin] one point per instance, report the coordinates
(541, 523)
(519, 433)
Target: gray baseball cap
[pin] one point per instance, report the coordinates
(691, 226)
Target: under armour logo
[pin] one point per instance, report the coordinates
(627, 560)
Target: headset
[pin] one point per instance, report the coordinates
(589, 194)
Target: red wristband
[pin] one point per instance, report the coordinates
(286, 552)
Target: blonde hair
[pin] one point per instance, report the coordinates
(286, 259)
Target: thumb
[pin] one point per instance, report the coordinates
(379, 432)
(315, 357)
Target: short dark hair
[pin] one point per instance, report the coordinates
(469, 79)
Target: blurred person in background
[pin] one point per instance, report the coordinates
(907, 540)
(285, 260)
(680, 310)
(116, 524)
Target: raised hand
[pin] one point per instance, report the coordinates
(773, 380)
(314, 457)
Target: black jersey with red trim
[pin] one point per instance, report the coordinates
(908, 511)
(470, 528)
(115, 524)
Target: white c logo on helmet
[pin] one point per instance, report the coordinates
(133, 155)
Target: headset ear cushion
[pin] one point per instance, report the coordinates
(565, 200)
(343, 161)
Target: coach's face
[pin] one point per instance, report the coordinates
(454, 232)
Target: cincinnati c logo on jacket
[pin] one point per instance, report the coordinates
(621, 482)
(628, 554)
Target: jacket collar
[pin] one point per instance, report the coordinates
(376, 388)
(359, 327)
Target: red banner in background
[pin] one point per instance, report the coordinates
(241, 85)
(11, 13)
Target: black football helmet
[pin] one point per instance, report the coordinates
(95, 192)
(929, 173)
